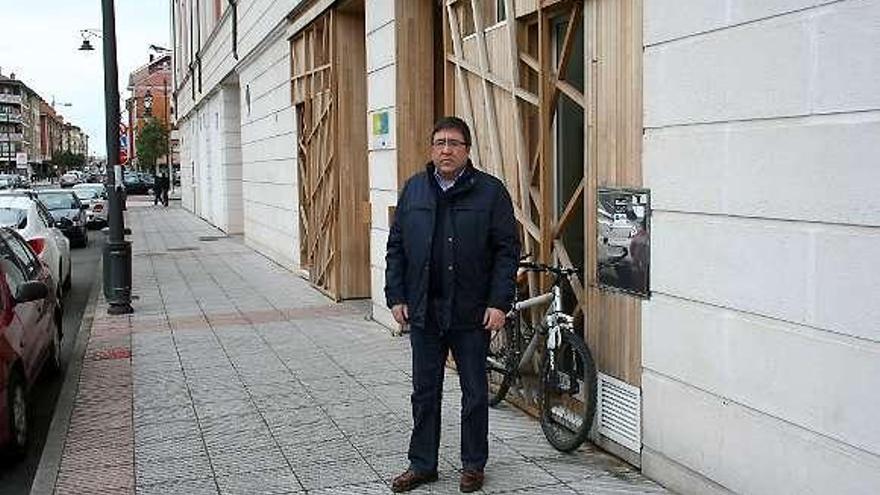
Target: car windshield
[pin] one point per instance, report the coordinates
(13, 217)
(59, 201)
(86, 193)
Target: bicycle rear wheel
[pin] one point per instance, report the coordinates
(568, 392)
(501, 361)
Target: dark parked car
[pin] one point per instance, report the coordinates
(30, 334)
(136, 183)
(69, 214)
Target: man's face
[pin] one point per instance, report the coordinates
(449, 152)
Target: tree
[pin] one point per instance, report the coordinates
(67, 160)
(152, 142)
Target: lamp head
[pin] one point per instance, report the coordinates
(86, 46)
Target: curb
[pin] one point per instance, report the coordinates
(50, 459)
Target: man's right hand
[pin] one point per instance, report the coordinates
(400, 313)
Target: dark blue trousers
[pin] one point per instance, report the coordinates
(430, 347)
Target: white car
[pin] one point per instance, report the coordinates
(95, 197)
(68, 179)
(33, 221)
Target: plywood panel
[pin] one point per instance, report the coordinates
(415, 76)
(328, 89)
(351, 95)
(526, 7)
(617, 76)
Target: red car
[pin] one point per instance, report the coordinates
(30, 334)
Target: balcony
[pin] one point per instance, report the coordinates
(9, 118)
(10, 136)
(10, 98)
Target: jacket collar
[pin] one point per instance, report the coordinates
(464, 181)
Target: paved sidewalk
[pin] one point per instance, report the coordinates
(233, 376)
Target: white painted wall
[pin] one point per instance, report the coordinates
(761, 344)
(381, 79)
(238, 159)
(268, 148)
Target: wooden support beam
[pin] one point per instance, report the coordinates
(570, 91)
(573, 203)
(545, 96)
(462, 82)
(530, 61)
(488, 96)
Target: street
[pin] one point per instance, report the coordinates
(17, 478)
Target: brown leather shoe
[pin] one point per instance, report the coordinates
(411, 479)
(471, 480)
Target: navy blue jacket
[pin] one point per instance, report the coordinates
(485, 247)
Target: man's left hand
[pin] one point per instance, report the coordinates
(493, 319)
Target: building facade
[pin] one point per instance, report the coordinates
(739, 352)
(151, 90)
(19, 125)
(51, 131)
(32, 133)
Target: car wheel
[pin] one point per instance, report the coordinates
(16, 401)
(65, 287)
(55, 351)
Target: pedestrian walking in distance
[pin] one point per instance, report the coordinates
(451, 263)
(160, 189)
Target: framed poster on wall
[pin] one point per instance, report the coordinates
(624, 240)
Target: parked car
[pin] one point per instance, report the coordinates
(68, 180)
(30, 218)
(13, 181)
(135, 183)
(69, 214)
(94, 196)
(30, 334)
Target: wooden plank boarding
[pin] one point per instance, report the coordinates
(328, 89)
(510, 98)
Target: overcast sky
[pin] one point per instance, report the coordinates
(39, 43)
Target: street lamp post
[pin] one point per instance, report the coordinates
(117, 251)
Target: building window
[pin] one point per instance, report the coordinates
(570, 140)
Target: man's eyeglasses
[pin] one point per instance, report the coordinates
(452, 143)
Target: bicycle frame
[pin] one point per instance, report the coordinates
(555, 320)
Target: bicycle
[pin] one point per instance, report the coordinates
(567, 372)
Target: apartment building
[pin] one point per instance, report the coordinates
(19, 124)
(151, 91)
(739, 345)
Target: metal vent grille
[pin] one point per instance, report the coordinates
(620, 412)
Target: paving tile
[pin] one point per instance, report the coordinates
(371, 488)
(270, 482)
(152, 471)
(391, 442)
(164, 414)
(174, 447)
(308, 434)
(180, 487)
(210, 410)
(339, 449)
(157, 432)
(504, 477)
(100, 481)
(245, 461)
(257, 437)
(326, 475)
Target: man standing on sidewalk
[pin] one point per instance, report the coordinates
(451, 265)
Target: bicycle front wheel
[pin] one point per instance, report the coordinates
(568, 392)
(500, 361)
